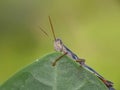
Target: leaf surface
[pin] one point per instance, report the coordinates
(41, 75)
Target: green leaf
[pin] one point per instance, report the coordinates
(66, 75)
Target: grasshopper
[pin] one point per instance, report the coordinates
(60, 47)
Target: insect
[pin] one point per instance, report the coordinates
(60, 47)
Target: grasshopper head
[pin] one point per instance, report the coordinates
(58, 45)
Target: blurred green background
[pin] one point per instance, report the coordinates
(91, 28)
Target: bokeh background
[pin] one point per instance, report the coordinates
(91, 28)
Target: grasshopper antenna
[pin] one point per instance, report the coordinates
(52, 28)
(43, 31)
